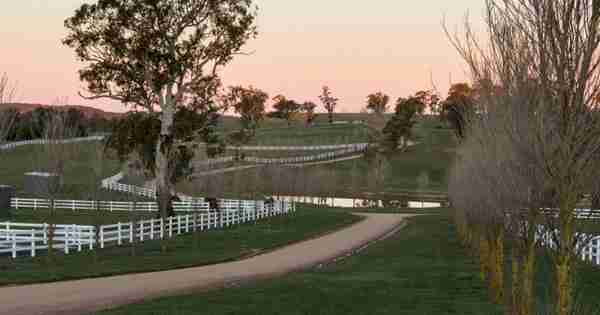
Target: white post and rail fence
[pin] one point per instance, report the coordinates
(19, 239)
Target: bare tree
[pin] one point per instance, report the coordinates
(7, 118)
(329, 102)
(544, 56)
(51, 159)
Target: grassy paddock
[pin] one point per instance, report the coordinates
(420, 270)
(184, 251)
(78, 176)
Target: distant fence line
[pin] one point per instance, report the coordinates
(12, 145)
(297, 148)
(347, 149)
(28, 239)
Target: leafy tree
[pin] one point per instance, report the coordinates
(159, 54)
(399, 128)
(285, 108)
(430, 99)
(138, 132)
(309, 110)
(377, 102)
(329, 102)
(458, 105)
(249, 103)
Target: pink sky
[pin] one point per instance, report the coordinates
(354, 47)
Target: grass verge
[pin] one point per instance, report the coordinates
(184, 251)
(420, 270)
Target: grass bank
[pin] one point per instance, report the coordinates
(184, 251)
(420, 270)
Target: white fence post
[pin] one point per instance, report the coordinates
(119, 239)
(14, 246)
(66, 236)
(151, 229)
(32, 243)
(131, 225)
(101, 236)
(162, 228)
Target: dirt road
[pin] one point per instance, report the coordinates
(82, 296)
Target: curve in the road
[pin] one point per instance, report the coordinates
(81, 296)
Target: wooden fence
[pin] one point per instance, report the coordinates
(18, 239)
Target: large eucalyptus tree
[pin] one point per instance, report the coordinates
(158, 55)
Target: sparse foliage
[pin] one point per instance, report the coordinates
(542, 60)
(329, 102)
(249, 103)
(377, 102)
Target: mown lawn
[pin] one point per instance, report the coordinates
(184, 251)
(420, 270)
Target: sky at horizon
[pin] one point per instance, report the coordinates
(355, 47)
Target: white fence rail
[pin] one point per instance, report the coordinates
(588, 251)
(12, 145)
(298, 148)
(18, 239)
(224, 205)
(346, 149)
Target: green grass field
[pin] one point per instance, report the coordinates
(420, 270)
(419, 169)
(79, 176)
(184, 251)
(321, 134)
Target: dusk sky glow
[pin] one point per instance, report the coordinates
(355, 47)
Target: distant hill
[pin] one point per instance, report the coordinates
(86, 110)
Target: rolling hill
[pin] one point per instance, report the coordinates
(87, 110)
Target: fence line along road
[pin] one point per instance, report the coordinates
(17, 239)
(12, 145)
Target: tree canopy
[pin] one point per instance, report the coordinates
(377, 102)
(329, 102)
(249, 103)
(159, 55)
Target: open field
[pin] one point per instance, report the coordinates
(230, 123)
(420, 270)
(420, 169)
(184, 251)
(320, 134)
(79, 178)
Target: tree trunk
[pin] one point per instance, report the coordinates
(516, 297)
(497, 266)
(330, 114)
(528, 286)
(164, 146)
(162, 172)
(564, 261)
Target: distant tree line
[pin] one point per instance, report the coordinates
(31, 125)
